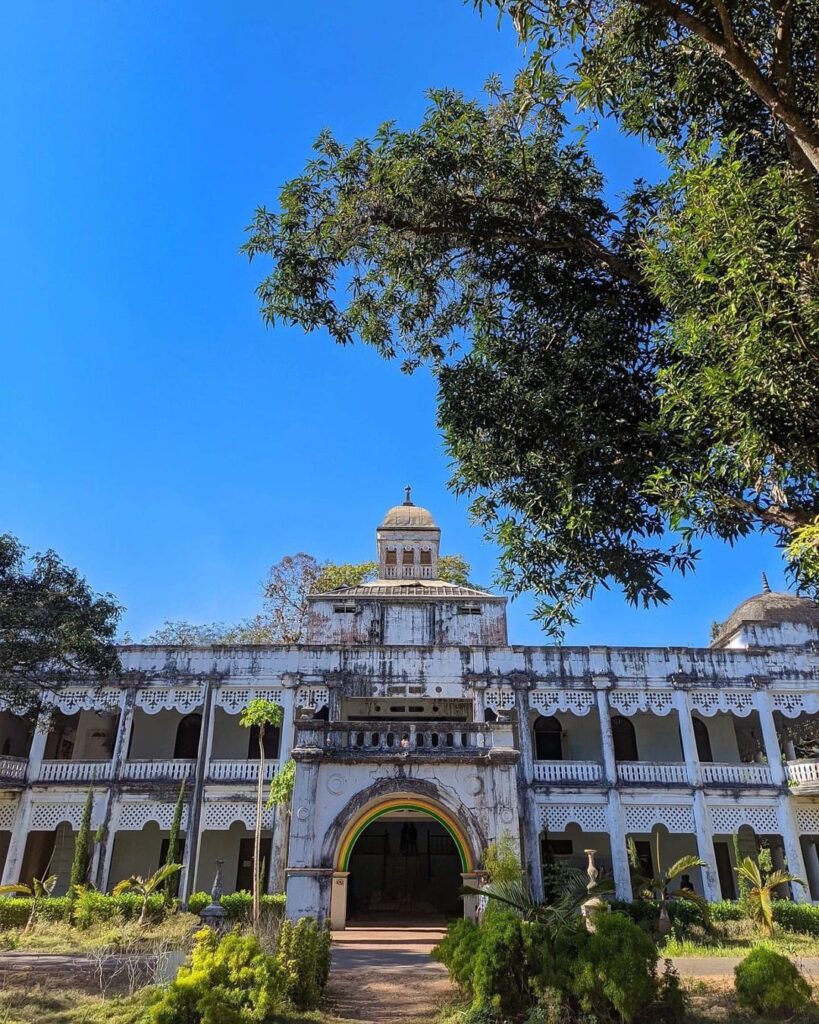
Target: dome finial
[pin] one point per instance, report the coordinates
(766, 587)
(408, 495)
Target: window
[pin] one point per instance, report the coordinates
(625, 739)
(344, 609)
(391, 557)
(408, 557)
(703, 740)
(426, 556)
(469, 609)
(548, 740)
(186, 746)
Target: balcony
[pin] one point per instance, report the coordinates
(157, 771)
(803, 776)
(428, 741)
(652, 773)
(240, 771)
(74, 771)
(13, 770)
(715, 774)
(569, 771)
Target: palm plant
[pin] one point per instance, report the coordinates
(39, 889)
(760, 890)
(146, 887)
(659, 888)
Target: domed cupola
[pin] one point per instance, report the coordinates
(769, 619)
(408, 542)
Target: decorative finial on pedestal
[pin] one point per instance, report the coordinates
(766, 587)
(214, 914)
(408, 495)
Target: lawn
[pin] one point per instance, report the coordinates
(116, 936)
(737, 938)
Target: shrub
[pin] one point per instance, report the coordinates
(728, 910)
(684, 915)
(14, 911)
(768, 983)
(614, 975)
(796, 917)
(457, 951)
(230, 981)
(304, 959)
(500, 977)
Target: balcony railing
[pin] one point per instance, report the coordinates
(428, 739)
(802, 773)
(145, 771)
(74, 771)
(13, 769)
(714, 774)
(240, 771)
(568, 771)
(651, 772)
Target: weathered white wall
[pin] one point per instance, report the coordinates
(224, 846)
(658, 737)
(723, 738)
(154, 736)
(230, 739)
(136, 853)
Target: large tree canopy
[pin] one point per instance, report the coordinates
(613, 383)
(53, 628)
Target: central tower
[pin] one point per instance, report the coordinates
(408, 542)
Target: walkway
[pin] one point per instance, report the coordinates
(382, 975)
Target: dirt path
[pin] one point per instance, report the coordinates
(381, 975)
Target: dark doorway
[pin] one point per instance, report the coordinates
(625, 739)
(270, 742)
(724, 871)
(703, 740)
(548, 739)
(186, 747)
(244, 873)
(404, 870)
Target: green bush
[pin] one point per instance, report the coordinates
(15, 910)
(768, 983)
(457, 951)
(229, 981)
(796, 917)
(614, 974)
(304, 959)
(500, 976)
(684, 916)
(727, 910)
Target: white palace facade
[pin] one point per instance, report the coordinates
(419, 736)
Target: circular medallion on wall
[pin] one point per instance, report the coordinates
(336, 784)
(507, 815)
(474, 784)
(303, 813)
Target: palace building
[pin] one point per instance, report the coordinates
(419, 736)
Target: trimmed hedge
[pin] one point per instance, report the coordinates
(793, 917)
(93, 907)
(646, 913)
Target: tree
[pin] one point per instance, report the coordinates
(172, 856)
(146, 887)
(283, 619)
(760, 888)
(614, 383)
(39, 890)
(82, 847)
(53, 628)
(259, 713)
(658, 887)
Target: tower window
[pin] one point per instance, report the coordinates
(391, 557)
(408, 557)
(426, 556)
(344, 609)
(469, 609)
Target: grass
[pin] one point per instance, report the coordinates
(737, 938)
(176, 931)
(712, 1002)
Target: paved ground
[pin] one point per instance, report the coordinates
(382, 975)
(723, 966)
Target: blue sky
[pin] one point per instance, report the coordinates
(153, 431)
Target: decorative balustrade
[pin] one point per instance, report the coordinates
(240, 771)
(433, 739)
(74, 771)
(147, 771)
(714, 774)
(650, 772)
(13, 769)
(568, 771)
(801, 773)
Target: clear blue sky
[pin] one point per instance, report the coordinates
(153, 431)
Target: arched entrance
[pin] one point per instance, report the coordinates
(402, 861)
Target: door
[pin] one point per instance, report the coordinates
(725, 871)
(244, 873)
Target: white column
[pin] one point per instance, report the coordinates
(281, 817)
(704, 836)
(107, 851)
(811, 859)
(525, 774)
(478, 706)
(617, 828)
(196, 817)
(773, 752)
(22, 817)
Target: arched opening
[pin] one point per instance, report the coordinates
(270, 742)
(402, 861)
(186, 747)
(548, 739)
(703, 740)
(625, 739)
